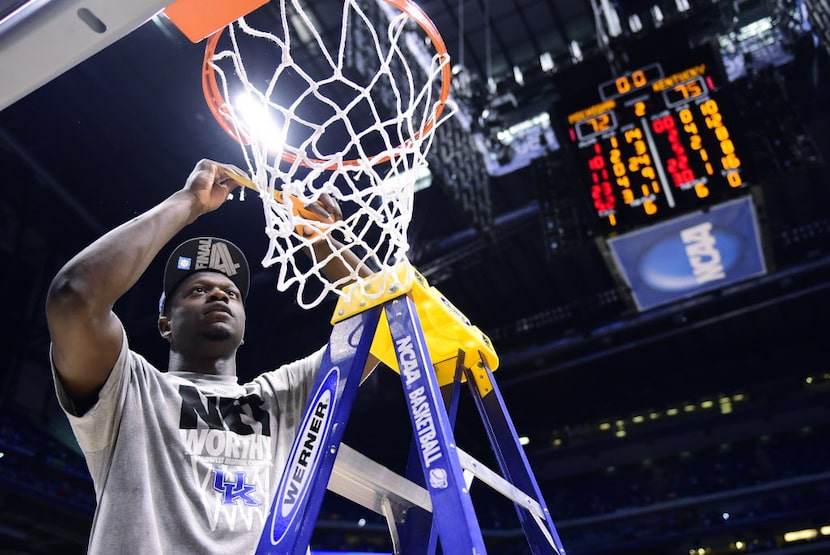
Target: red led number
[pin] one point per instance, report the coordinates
(602, 193)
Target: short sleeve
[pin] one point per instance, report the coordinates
(95, 429)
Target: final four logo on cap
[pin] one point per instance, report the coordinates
(206, 254)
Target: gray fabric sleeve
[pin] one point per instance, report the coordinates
(95, 429)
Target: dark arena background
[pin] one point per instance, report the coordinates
(669, 405)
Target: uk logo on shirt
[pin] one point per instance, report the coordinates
(233, 488)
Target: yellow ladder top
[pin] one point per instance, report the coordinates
(449, 333)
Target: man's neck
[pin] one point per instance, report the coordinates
(223, 366)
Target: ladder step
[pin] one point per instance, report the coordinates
(495, 481)
(366, 482)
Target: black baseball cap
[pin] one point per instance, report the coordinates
(205, 254)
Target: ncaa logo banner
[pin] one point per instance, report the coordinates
(302, 462)
(691, 254)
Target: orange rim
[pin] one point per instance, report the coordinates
(217, 104)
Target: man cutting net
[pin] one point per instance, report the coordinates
(187, 460)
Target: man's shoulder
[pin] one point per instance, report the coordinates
(285, 376)
(138, 362)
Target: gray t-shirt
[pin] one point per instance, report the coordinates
(187, 463)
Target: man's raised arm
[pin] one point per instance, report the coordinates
(85, 332)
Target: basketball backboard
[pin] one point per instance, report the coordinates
(41, 39)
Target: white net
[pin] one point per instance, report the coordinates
(345, 113)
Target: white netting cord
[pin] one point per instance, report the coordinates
(356, 132)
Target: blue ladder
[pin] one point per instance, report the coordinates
(432, 503)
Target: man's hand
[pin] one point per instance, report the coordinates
(211, 183)
(325, 210)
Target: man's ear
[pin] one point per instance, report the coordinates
(164, 327)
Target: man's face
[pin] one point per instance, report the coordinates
(206, 314)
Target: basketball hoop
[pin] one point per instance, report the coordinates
(344, 113)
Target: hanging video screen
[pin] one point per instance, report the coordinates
(656, 145)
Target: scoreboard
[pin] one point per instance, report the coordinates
(656, 146)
